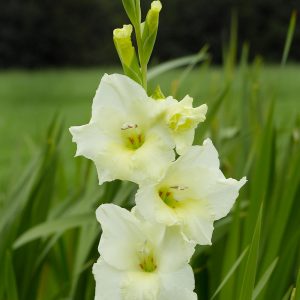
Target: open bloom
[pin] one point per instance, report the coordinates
(182, 120)
(124, 137)
(141, 260)
(193, 194)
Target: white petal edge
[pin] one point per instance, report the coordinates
(108, 281)
(223, 194)
(120, 237)
(178, 285)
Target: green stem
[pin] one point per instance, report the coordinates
(141, 56)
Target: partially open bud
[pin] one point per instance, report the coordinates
(126, 52)
(153, 15)
(150, 29)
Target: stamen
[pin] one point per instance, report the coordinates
(168, 198)
(132, 135)
(179, 187)
(128, 126)
(146, 258)
(140, 138)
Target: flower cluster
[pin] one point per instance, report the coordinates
(145, 253)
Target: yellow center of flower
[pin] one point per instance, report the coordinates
(179, 122)
(147, 259)
(132, 136)
(167, 195)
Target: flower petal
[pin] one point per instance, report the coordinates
(140, 286)
(178, 285)
(199, 229)
(184, 140)
(175, 252)
(119, 92)
(108, 281)
(152, 208)
(199, 156)
(125, 136)
(120, 237)
(223, 194)
(88, 139)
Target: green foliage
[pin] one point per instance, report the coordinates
(133, 8)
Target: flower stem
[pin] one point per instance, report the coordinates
(141, 55)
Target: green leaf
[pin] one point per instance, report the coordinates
(231, 252)
(289, 37)
(133, 11)
(297, 292)
(176, 63)
(230, 273)
(287, 295)
(211, 113)
(261, 174)
(11, 291)
(284, 208)
(53, 226)
(264, 279)
(251, 264)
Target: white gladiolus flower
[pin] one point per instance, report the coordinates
(124, 137)
(182, 120)
(193, 194)
(141, 260)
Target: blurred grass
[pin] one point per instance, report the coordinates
(49, 235)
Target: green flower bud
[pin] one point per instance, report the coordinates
(126, 52)
(150, 27)
(153, 15)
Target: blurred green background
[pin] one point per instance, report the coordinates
(52, 57)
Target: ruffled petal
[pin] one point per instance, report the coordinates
(125, 138)
(198, 228)
(178, 285)
(140, 286)
(223, 194)
(89, 140)
(152, 208)
(120, 238)
(175, 252)
(120, 93)
(108, 281)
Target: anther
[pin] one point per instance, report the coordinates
(128, 126)
(178, 187)
(140, 138)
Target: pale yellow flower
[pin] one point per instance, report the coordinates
(182, 119)
(193, 194)
(125, 137)
(141, 260)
